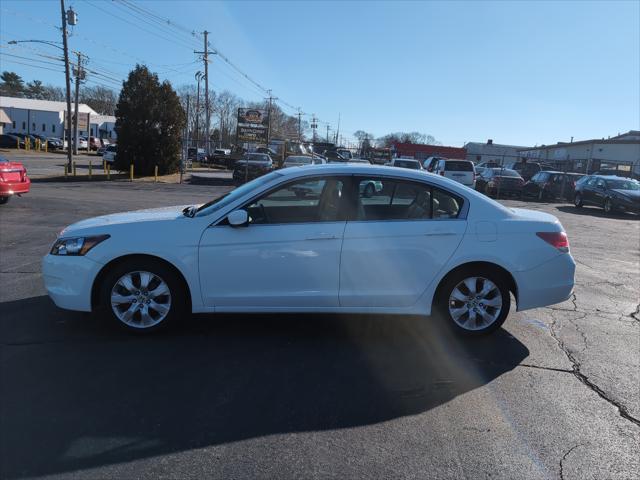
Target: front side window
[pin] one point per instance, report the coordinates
(382, 199)
(302, 201)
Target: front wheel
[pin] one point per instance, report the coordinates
(608, 206)
(142, 296)
(474, 302)
(577, 200)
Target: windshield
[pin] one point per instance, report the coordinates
(257, 157)
(458, 166)
(623, 185)
(232, 196)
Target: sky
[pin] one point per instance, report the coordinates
(520, 73)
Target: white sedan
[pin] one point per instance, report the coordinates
(418, 244)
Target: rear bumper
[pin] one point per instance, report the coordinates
(13, 188)
(547, 284)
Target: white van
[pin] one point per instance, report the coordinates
(461, 171)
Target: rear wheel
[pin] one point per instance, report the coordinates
(608, 206)
(143, 296)
(577, 200)
(474, 302)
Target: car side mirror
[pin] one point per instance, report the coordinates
(238, 218)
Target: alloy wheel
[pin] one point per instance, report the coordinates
(140, 299)
(475, 303)
(607, 205)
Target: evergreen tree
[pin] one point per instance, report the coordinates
(12, 85)
(149, 124)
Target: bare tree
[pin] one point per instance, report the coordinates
(103, 100)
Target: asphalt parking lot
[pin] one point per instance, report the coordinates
(553, 394)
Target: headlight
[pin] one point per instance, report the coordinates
(76, 246)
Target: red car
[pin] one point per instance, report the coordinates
(13, 179)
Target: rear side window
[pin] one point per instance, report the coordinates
(455, 166)
(381, 199)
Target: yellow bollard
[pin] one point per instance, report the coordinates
(155, 174)
(27, 143)
(90, 169)
(46, 147)
(131, 172)
(108, 172)
(104, 166)
(18, 143)
(74, 169)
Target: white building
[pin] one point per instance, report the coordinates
(46, 118)
(620, 153)
(502, 154)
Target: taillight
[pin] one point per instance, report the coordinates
(558, 240)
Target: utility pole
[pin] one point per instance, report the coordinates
(68, 82)
(271, 98)
(314, 126)
(338, 130)
(185, 148)
(79, 74)
(299, 125)
(197, 112)
(206, 89)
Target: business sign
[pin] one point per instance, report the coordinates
(83, 121)
(253, 125)
(251, 134)
(253, 117)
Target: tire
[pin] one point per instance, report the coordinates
(467, 311)
(4, 200)
(608, 206)
(487, 190)
(126, 281)
(577, 201)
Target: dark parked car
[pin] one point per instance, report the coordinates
(609, 192)
(529, 169)
(334, 156)
(548, 185)
(10, 141)
(253, 165)
(499, 181)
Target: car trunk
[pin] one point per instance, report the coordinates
(12, 172)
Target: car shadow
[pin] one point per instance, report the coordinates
(79, 393)
(597, 212)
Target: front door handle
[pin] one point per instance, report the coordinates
(322, 236)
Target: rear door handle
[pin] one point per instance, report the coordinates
(439, 233)
(322, 236)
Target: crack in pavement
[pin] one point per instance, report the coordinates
(564, 457)
(622, 409)
(540, 367)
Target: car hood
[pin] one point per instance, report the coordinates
(634, 194)
(137, 216)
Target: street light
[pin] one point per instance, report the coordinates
(53, 44)
(68, 84)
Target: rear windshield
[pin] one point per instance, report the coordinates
(458, 166)
(623, 184)
(407, 164)
(505, 172)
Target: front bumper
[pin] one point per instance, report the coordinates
(69, 280)
(14, 188)
(547, 284)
